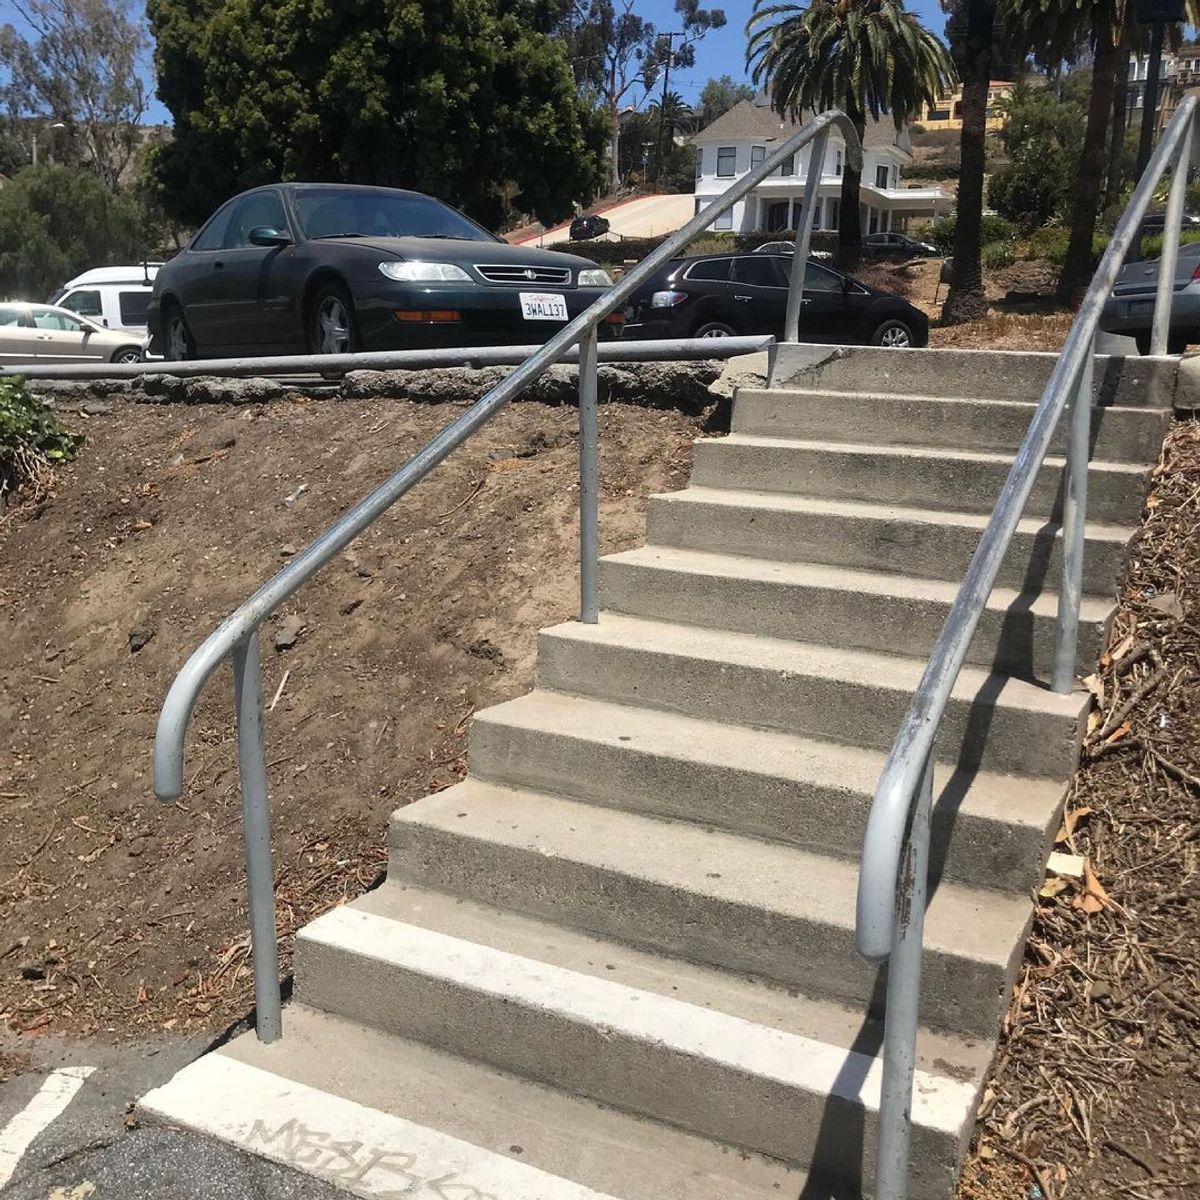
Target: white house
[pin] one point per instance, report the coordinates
(741, 139)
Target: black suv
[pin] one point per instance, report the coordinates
(730, 294)
(589, 226)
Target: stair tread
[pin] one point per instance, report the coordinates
(930, 452)
(943, 1098)
(851, 579)
(869, 396)
(971, 924)
(795, 502)
(1016, 799)
(424, 1115)
(861, 667)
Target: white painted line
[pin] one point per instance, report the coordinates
(358, 1149)
(57, 1091)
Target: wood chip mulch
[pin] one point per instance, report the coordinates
(1096, 1088)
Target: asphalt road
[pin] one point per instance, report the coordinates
(89, 1148)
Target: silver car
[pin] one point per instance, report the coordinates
(1130, 308)
(36, 334)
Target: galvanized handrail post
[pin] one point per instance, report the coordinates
(903, 1002)
(1164, 292)
(589, 479)
(256, 823)
(812, 182)
(1074, 518)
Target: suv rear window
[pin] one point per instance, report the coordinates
(133, 307)
(711, 268)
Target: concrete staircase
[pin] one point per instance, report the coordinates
(618, 959)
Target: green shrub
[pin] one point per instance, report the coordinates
(31, 440)
(995, 256)
(1049, 243)
(1152, 246)
(993, 228)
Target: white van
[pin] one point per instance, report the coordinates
(115, 297)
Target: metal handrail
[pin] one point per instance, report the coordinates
(237, 636)
(893, 875)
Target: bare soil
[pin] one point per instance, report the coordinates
(121, 915)
(1095, 1092)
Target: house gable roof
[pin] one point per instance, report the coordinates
(750, 119)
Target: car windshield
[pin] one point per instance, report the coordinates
(334, 212)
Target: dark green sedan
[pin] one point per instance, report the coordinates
(336, 268)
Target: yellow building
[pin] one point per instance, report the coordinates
(947, 112)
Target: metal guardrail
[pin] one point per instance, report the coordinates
(337, 365)
(894, 872)
(237, 636)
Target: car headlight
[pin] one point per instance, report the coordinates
(424, 272)
(595, 277)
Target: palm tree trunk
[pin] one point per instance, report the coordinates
(1078, 265)
(1116, 143)
(966, 300)
(849, 214)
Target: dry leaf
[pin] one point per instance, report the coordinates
(1095, 685)
(1094, 898)
(1115, 655)
(1153, 501)
(1071, 818)
(1094, 721)
(1052, 887)
(1168, 603)
(143, 525)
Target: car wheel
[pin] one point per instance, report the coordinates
(895, 335)
(332, 328)
(714, 329)
(127, 354)
(177, 339)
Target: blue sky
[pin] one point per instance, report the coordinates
(720, 53)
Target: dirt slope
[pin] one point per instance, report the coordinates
(117, 913)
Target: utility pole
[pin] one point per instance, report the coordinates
(1157, 14)
(662, 105)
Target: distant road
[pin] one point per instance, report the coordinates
(643, 216)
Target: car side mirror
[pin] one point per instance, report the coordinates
(268, 235)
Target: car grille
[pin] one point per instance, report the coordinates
(525, 275)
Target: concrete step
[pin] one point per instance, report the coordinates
(988, 830)
(838, 606)
(852, 697)
(717, 1056)
(701, 895)
(958, 480)
(1119, 433)
(850, 533)
(382, 1116)
(972, 374)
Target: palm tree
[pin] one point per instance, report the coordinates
(971, 29)
(866, 57)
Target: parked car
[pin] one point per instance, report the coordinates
(115, 297)
(589, 226)
(896, 245)
(1157, 222)
(37, 334)
(1130, 308)
(729, 294)
(790, 248)
(331, 268)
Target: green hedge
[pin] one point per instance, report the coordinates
(1051, 244)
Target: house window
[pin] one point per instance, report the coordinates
(832, 214)
(725, 220)
(757, 154)
(881, 176)
(797, 213)
(837, 162)
(788, 166)
(957, 109)
(726, 161)
(939, 114)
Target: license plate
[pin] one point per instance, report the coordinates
(1141, 308)
(543, 306)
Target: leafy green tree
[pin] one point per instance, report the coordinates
(467, 99)
(718, 96)
(82, 67)
(862, 56)
(58, 221)
(1042, 136)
